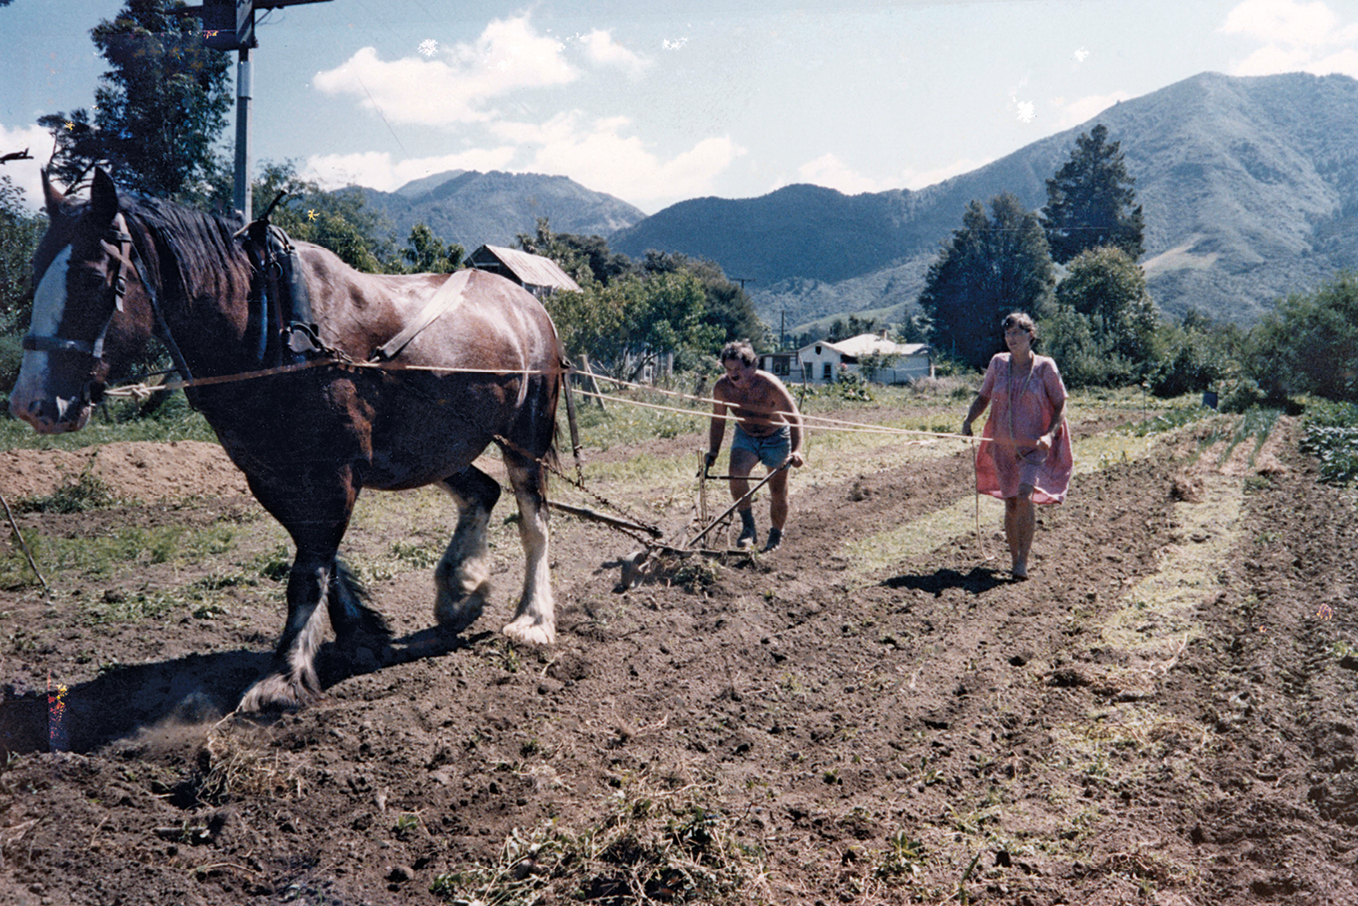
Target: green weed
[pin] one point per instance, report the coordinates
(88, 492)
(903, 859)
(655, 845)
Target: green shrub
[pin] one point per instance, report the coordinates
(1330, 434)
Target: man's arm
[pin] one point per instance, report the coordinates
(793, 416)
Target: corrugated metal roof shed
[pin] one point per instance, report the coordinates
(533, 272)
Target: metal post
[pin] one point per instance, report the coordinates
(244, 92)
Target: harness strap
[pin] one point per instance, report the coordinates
(445, 298)
(36, 343)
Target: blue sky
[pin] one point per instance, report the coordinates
(691, 100)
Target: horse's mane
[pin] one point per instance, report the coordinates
(196, 252)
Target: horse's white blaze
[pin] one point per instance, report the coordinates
(49, 306)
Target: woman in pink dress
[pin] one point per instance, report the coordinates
(1024, 456)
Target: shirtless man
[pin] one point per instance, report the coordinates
(768, 430)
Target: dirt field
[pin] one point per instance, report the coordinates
(873, 714)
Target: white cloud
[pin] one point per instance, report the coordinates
(598, 154)
(602, 156)
(376, 170)
(454, 88)
(25, 173)
(1296, 36)
(832, 173)
(602, 50)
(1285, 21)
(1081, 110)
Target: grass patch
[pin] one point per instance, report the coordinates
(1155, 617)
(1255, 423)
(918, 537)
(125, 550)
(88, 492)
(174, 421)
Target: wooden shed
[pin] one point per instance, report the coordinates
(540, 276)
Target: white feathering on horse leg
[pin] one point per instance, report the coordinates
(535, 620)
(462, 577)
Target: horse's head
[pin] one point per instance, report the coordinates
(82, 323)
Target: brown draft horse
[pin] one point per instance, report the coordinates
(114, 271)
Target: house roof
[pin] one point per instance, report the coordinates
(871, 344)
(532, 270)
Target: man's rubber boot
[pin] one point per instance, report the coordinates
(748, 537)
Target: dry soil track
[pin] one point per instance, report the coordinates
(873, 714)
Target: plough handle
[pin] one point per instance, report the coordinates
(748, 494)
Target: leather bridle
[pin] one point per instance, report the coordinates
(117, 243)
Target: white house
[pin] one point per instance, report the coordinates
(821, 362)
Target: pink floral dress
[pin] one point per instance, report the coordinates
(1021, 408)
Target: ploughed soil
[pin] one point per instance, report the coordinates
(1164, 713)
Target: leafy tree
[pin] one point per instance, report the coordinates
(844, 330)
(157, 111)
(1108, 289)
(913, 330)
(1067, 338)
(620, 317)
(992, 266)
(340, 221)
(585, 258)
(21, 231)
(1195, 355)
(629, 323)
(1309, 343)
(426, 253)
(728, 308)
(1090, 201)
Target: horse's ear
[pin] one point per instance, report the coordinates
(56, 202)
(103, 197)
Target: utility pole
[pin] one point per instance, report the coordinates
(230, 25)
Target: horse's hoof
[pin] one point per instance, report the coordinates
(276, 692)
(454, 614)
(525, 629)
(631, 569)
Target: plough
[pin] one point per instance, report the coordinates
(633, 563)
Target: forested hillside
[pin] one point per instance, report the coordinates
(1248, 186)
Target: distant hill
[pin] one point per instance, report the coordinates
(473, 209)
(1250, 190)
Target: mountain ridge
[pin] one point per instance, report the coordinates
(473, 208)
(1249, 185)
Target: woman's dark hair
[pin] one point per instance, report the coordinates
(1019, 319)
